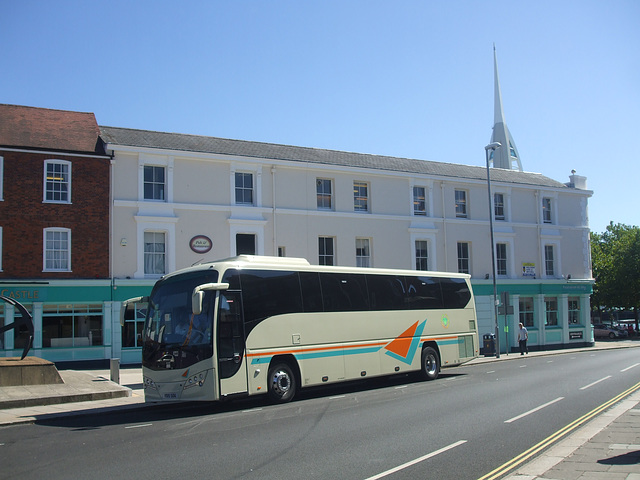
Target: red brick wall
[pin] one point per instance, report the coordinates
(23, 216)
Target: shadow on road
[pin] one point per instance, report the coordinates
(92, 419)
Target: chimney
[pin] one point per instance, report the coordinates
(577, 181)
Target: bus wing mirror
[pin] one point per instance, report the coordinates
(129, 305)
(196, 302)
(198, 295)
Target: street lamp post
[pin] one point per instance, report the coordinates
(493, 147)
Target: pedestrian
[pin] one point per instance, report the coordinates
(523, 336)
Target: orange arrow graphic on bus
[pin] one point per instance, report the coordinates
(405, 345)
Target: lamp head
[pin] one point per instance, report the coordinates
(493, 146)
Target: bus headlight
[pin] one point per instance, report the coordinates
(195, 380)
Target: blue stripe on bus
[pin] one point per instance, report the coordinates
(353, 351)
(311, 355)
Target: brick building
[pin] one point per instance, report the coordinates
(54, 229)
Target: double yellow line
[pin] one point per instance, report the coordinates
(523, 457)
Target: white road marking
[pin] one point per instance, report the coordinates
(534, 410)
(595, 383)
(139, 426)
(417, 460)
(629, 368)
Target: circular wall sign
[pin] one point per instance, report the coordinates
(201, 244)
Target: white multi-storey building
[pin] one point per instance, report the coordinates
(181, 199)
(177, 199)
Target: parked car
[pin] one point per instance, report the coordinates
(601, 330)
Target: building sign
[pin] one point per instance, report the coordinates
(528, 269)
(26, 294)
(201, 244)
(575, 335)
(578, 288)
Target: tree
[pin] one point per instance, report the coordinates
(615, 257)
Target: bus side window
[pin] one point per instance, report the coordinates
(386, 292)
(311, 293)
(344, 292)
(423, 293)
(455, 292)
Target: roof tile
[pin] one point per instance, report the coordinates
(117, 136)
(43, 128)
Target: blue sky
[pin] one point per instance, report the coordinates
(401, 78)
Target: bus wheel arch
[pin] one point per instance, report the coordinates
(430, 361)
(283, 379)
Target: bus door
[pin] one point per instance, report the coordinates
(230, 348)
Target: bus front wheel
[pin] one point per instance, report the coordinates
(282, 383)
(430, 364)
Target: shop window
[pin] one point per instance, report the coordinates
(551, 311)
(526, 311)
(71, 325)
(133, 325)
(574, 310)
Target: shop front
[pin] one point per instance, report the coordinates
(556, 314)
(74, 321)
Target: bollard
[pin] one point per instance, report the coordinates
(115, 370)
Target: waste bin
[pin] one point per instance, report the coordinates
(489, 344)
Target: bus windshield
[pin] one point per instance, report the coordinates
(173, 336)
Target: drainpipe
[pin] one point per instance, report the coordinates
(444, 227)
(273, 189)
(111, 194)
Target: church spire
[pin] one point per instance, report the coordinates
(507, 156)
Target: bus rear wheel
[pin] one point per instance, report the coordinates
(282, 383)
(430, 366)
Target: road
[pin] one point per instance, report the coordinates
(462, 426)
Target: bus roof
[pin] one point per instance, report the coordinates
(300, 264)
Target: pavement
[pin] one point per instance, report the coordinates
(606, 445)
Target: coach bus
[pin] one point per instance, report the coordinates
(251, 325)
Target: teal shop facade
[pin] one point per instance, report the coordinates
(75, 321)
(555, 313)
(80, 321)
